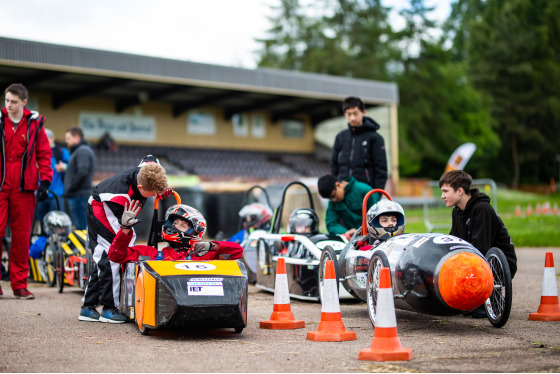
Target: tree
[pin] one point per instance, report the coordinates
(337, 37)
(512, 54)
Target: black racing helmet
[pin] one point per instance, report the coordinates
(303, 221)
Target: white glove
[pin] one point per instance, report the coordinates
(129, 215)
(201, 248)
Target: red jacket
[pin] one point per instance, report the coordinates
(120, 251)
(27, 145)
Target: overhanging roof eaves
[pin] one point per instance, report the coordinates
(122, 65)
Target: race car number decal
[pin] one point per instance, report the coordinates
(448, 239)
(205, 287)
(195, 266)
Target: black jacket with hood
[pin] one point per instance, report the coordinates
(480, 225)
(359, 152)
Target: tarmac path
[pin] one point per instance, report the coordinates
(44, 335)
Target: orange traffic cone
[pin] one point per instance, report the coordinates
(549, 310)
(331, 328)
(385, 345)
(529, 209)
(555, 208)
(518, 210)
(546, 207)
(538, 209)
(282, 317)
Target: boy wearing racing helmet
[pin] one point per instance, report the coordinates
(385, 219)
(303, 221)
(183, 230)
(253, 216)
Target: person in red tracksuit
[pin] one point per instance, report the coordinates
(183, 229)
(25, 167)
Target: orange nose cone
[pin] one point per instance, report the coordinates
(465, 281)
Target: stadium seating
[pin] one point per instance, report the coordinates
(213, 164)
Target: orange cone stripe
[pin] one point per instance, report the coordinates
(281, 308)
(331, 317)
(549, 299)
(385, 332)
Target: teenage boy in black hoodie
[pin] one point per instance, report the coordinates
(359, 151)
(473, 218)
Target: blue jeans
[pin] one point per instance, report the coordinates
(77, 206)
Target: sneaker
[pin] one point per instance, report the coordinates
(112, 315)
(23, 294)
(88, 313)
(1, 294)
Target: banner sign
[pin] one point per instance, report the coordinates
(120, 127)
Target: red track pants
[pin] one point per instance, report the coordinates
(19, 207)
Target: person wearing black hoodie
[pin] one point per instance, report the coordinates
(475, 220)
(359, 151)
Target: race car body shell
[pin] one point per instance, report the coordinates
(185, 293)
(302, 257)
(415, 261)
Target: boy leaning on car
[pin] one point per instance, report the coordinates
(104, 212)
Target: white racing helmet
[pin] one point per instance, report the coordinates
(385, 207)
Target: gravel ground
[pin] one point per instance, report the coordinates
(44, 335)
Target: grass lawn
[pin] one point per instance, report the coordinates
(535, 230)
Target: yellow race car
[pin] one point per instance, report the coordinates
(189, 293)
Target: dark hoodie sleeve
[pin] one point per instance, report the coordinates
(334, 156)
(379, 162)
(482, 230)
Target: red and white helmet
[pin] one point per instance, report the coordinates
(255, 215)
(177, 238)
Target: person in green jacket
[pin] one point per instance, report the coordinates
(344, 211)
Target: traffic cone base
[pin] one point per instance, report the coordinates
(282, 325)
(386, 346)
(282, 318)
(549, 309)
(331, 331)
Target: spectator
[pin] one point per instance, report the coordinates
(59, 163)
(344, 210)
(473, 219)
(359, 151)
(104, 213)
(25, 164)
(107, 143)
(183, 230)
(79, 176)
